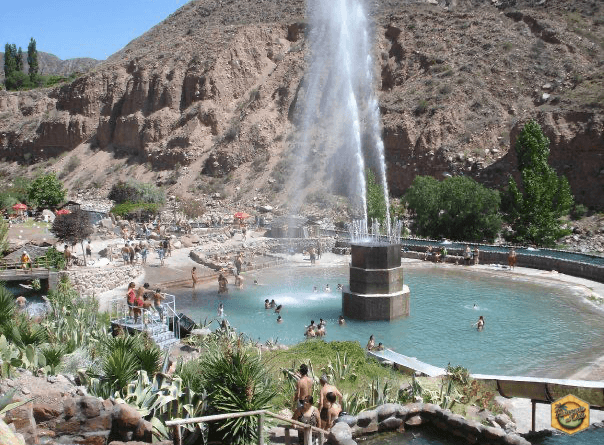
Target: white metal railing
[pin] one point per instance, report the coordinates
(308, 429)
(120, 309)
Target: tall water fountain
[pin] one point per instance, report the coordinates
(338, 114)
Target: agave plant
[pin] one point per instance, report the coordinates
(163, 399)
(149, 359)
(341, 369)
(24, 332)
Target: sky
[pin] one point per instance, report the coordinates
(80, 28)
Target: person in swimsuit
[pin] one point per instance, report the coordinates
(341, 320)
(130, 296)
(157, 298)
(333, 410)
(267, 305)
(303, 386)
(371, 343)
(307, 414)
(323, 403)
(512, 258)
(480, 323)
(279, 319)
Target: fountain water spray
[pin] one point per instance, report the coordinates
(338, 113)
(362, 232)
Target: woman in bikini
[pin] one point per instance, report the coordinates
(308, 414)
(130, 296)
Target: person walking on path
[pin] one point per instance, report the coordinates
(194, 277)
(238, 263)
(303, 386)
(323, 402)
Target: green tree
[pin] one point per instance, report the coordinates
(19, 60)
(46, 191)
(10, 60)
(32, 59)
(457, 208)
(376, 203)
(534, 211)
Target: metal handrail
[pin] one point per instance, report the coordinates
(308, 429)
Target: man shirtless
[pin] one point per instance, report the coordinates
(303, 386)
(194, 276)
(323, 402)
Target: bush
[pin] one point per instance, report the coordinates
(136, 192)
(46, 191)
(578, 211)
(236, 380)
(457, 208)
(135, 209)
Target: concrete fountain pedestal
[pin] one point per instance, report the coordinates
(376, 290)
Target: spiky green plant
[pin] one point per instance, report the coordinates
(7, 307)
(149, 359)
(237, 381)
(119, 368)
(53, 355)
(25, 332)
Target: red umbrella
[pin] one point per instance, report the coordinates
(20, 206)
(241, 215)
(62, 212)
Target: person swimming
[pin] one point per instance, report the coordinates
(279, 319)
(379, 347)
(475, 307)
(256, 282)
(272, 304)
(341, 320)
(314, 289)
(267, 304)
(220, 310)
(340, 287)
(327, 288)
(278, 309)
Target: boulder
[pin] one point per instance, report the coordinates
(43, 412)
(125, 417)
(106, 223)
(186, 242)
(387, 410)
(366, 417)
(177, 244)
(349, 420)
(90, 406)
(414, 420)
(389, 424)
(339, 433)
(503, 419)
(265, 208)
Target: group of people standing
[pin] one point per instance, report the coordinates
(142, 299)
(328, 408)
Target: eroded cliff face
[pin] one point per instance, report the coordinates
(216, 85)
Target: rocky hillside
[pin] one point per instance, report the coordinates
(51, 64)
(206, 100)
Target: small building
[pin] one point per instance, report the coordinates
(289, 227)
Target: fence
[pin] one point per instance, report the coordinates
(308, 429)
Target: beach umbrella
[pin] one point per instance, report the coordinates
(20, 206)
(62, 212)
(241, 215)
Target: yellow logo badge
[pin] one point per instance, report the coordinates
(570, 414)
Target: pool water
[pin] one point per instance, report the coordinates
(530, 329)
(431, 436)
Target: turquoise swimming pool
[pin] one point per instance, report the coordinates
(530, 329)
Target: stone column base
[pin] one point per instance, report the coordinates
(371, 307)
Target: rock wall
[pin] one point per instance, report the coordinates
(93, 281)
(392, 417)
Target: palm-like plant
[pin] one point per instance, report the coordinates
(236, 379)
(119, 368)
(24, 332)
(53, 355)
(149, 359)
(7, 306)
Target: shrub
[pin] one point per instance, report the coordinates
(136, 192)
(236, 380)
(132, 209)
(457, 208)
(46, 191)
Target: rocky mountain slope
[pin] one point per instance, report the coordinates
(51, 64)
(206, 100)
